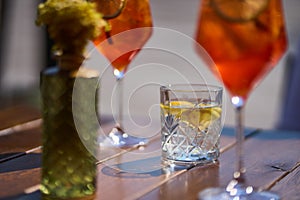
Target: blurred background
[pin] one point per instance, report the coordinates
(168, 57)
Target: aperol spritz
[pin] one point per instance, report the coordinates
(245, 39)
(128, 29)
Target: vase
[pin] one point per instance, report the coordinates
(69, 130)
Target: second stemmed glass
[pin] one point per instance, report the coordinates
(129, 28)
(245, 38)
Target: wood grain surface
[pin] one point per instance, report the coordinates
(272, 159)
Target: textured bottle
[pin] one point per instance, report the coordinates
(69, 132)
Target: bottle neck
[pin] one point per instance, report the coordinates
(70, 61)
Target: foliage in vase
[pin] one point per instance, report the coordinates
(70, 24)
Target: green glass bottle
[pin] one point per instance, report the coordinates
(69, 130)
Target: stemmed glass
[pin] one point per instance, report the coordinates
(245, 38)
(129, 28)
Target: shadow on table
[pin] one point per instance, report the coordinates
(32, 196)
(143, 168)
(21, 161)
(135, 169)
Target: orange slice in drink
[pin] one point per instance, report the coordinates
(239, 10)
(110, 8)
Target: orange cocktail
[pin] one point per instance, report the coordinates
(245, 40)
(121, 49)
(129, 27)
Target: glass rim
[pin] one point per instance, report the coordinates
(191, 87)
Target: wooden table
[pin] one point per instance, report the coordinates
(272, 160)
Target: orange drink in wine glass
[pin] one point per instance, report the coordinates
(133, 14)
(245, 39)
(129, 28)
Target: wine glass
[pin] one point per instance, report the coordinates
(128, 29)
(245, 38)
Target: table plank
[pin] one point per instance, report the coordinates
(135, 173)
(261, 162)
(186, 185)
(138, 172)
(17, 114)
(289, 186)
(132, 174)
(19, 174)
(20, 141)
(268, 154)
(116, 184)
(180, 186)
(228, 137)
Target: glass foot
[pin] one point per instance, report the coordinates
(118, 138)
(221, 194)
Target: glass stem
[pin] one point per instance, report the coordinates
(240, 169)
(119, 105)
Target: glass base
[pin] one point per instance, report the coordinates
(118, 138)
(186, 164)
(221, 194)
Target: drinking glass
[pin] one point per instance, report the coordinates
(129, 28)
(191, 124)
(245, 38)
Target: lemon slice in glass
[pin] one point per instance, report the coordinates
(177, 107)
(110, 8)
(202, 115)
(239, 10)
